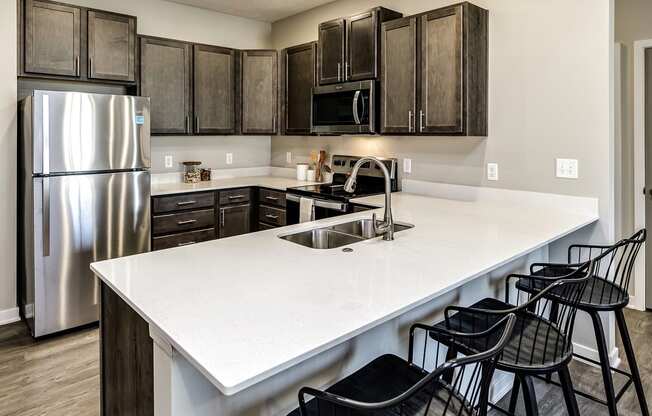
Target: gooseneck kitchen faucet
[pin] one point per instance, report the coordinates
(387, 226)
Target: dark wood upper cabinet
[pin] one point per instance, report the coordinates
(451, 70)
(330, 51)
(399, 76)
(214, 90)
(165, 77)
(299, 66)
(235, 220)
(259, 76)
(52, 39)
(348, 48)
(111, 46)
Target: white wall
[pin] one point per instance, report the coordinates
(156, 18)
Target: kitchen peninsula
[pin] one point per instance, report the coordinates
(237, 326)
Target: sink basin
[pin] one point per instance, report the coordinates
(339, 235)
(364, 228)
(322, 238)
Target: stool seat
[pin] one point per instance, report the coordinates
(600, 294)
(535, 345)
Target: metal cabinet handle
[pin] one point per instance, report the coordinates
(90, 67)
(187, 124)
(77, 69)
(196, 124)
(274, 124)
(236, 196)
(186, 244)
(346, 71)
(339, 71)
(222, 213)
(186, 222)
(271, 198)
(420, 120)
(184, 203)
(270, 216)
(410, 121)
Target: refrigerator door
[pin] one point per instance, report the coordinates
(78, 132)
(79, 219)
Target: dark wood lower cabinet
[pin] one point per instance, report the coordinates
(235, 220)
(127, 359)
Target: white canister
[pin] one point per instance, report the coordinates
(310, 175)
(302, 170)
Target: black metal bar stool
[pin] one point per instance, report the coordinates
(541, 342)
(390, 385)
(607, 291)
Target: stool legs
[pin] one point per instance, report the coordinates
(569, 393)
(529, 395)
(605, 364)
(514, 397)
(631, 359)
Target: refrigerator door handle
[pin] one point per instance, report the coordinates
(46, 134)
(46, 217)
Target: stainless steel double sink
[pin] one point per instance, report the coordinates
(339, 235)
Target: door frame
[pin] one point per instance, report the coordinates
(638, 300)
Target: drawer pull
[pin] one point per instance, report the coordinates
(271, 198)
(236, 196)
(185, 244)
(272, 217)
(181, 204)
(186, 222)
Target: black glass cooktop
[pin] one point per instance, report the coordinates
(334, 191)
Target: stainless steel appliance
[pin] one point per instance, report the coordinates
(84, 195)
(348, 108)
(330, 200)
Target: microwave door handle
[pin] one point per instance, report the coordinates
(356, 98)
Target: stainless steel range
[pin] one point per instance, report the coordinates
(330, 200)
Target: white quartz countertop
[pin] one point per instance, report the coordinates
(245, 308)
(273, 182)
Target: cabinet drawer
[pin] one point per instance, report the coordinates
(174, 223)
(262, 226)
(181, 202)
(235, 196)
(183, 239)
(269, 197)
(274, 216)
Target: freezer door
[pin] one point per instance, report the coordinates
(79, 219)
(78, 132)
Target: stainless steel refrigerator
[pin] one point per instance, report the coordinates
(84, 196)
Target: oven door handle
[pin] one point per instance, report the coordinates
(356, 98)
(321, 203)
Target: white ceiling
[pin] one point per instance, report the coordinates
(263, 10)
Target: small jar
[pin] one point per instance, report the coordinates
(205, 175)
(191, 172)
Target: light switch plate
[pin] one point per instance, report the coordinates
(492, 171)
(229, 158)
(567, 168)
(407, 165)
(169, 161)
(288, 157)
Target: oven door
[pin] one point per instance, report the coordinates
(344, 109)
(322, 208)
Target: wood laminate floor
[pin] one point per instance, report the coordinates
(60, 376)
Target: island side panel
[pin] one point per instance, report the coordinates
(126, 351)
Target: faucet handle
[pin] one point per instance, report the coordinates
(378, 229)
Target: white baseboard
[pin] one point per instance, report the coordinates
(9, 316)
(636, 304)
(592, 353)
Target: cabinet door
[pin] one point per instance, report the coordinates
(330, 52)
(299, 63)
(259, 91)
(214, 90)
(52, 38)
(111, 46)
(441, 109)
(361, 47)
(165, 78)
(235, 220)
(398, 76)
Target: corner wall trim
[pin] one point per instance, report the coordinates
(592, 353)
(9, 316)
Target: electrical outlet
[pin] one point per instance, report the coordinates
(169, 161)
(229, 158)
(288, 157)
(492, 171)
(568, 168)
(407, 165)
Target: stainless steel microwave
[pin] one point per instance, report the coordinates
(348, 108)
